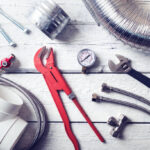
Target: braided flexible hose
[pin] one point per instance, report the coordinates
(119, 102)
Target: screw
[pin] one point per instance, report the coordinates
(25, 30)
(5, 35)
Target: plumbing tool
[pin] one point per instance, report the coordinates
(127, 20)
(109, 89)
(86, 59)
(124, 66)
(6, 36)
(99, 99)
(56, 83)
(25, 30)
(49, 18)
(118, 125)
(6, 62)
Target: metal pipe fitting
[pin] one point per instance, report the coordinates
(49, 18)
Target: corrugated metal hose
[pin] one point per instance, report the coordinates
(127, 20)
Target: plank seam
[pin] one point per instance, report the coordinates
(82, 122)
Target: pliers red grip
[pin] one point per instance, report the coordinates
(55, 83)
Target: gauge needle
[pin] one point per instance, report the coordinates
(85, 58)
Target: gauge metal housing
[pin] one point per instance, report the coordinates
(92, 55)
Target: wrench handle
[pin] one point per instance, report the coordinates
(140, 77)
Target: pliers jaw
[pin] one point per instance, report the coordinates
(39, 59)
(50, 58)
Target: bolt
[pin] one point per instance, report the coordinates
(25, 30)
(9, 40)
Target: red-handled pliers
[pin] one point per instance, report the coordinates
(55, 83)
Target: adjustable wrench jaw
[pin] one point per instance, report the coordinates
(124, 65)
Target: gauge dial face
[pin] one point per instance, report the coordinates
(86, 58)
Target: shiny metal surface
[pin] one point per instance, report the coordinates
(86, 58)
(49, 18)
(128, 20)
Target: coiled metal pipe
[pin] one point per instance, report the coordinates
(128, 20)
(37, 108)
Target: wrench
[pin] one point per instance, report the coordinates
(124, 66)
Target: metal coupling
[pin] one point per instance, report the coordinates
(49, 18)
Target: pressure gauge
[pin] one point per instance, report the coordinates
(86, 59)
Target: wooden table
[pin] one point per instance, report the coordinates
(82, 32)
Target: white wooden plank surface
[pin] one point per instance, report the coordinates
(135, 137)
(83, 86)
(84, 34)
(25, 54)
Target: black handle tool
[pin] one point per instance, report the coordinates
(124, 66)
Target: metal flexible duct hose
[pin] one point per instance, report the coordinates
(37, 107)
(127, 20)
